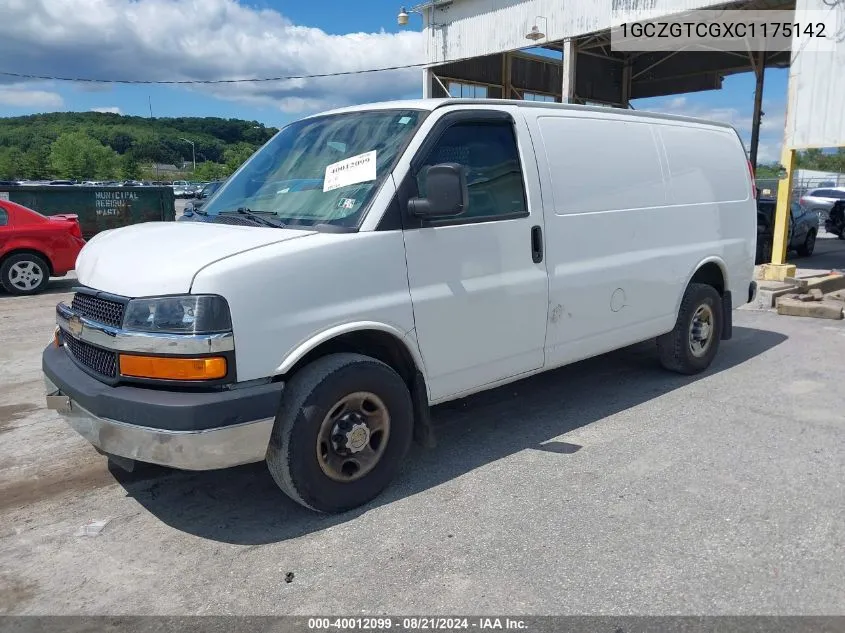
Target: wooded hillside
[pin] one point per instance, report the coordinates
(94, 145)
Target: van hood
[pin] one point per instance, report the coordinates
(159, 258)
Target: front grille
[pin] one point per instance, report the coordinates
(98, 360)
(97, 309)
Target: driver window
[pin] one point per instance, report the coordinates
(489, 156)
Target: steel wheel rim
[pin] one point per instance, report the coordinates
(353, 436)
(25, 275)
(701, 330)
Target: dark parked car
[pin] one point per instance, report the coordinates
(802, 232)
(202, 196)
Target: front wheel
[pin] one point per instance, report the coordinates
(692, 345)
(344, 426)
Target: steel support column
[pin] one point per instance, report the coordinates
(568, 65)
(779, 270)
(760, 73)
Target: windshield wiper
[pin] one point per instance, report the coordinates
(277, 224)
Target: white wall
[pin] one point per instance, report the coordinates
(817, 83)
(483, 27)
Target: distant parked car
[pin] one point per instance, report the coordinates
(35, 247)
(821, 199)
(802, 231)
(202, 196)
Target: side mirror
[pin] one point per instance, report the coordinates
(446, 188)
(188, 213)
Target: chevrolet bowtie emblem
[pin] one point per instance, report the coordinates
(74, 324)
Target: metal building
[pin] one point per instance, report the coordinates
(475, 48)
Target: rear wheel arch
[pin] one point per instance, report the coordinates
(28, 251)
(710, 271)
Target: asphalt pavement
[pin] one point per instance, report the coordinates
(607, 487)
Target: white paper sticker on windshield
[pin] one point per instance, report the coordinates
(360, 168)
(4, 195)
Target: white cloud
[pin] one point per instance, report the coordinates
(24, 96)
(107, 110)
(207, 39)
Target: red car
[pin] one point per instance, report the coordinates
(34, 247)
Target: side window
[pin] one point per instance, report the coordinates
(489, 156)
(4, 217)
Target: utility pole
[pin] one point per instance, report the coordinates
(757, 116)
(193, 151)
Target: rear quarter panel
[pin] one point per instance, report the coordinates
(25, 232)
(633, 207)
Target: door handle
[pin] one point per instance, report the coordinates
(536, 244)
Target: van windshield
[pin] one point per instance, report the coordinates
(322, 170)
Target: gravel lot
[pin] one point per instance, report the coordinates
(608, 487)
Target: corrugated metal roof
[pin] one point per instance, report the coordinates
(469, 28)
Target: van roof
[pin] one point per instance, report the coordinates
(433, 104)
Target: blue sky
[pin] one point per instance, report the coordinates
(164, 39)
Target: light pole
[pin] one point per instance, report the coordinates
(193, 151)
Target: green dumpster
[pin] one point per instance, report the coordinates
(98, 208)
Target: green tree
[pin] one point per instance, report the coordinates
(130, 168)
(78, 156)
(35, 162)
(10, 163)
(211, 171)
(236, 156)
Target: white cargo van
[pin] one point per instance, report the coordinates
(369, 262)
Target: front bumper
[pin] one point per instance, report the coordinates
(186, 430)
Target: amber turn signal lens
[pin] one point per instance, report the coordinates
(172, 368)
(56, 341)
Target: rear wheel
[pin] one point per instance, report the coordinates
(692, 345)
(24, 274)
(343, 429)
(806, 249)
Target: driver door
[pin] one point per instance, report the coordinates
(478, 281)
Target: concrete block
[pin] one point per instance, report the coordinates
(769, 291)
(816, 309)
(816, 294)
(798, 282)
(837, 296)
(828, 283)
(776, 272)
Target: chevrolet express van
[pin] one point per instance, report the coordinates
(370, 262)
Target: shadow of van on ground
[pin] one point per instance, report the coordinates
(243, 505)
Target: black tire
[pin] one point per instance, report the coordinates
(308, 398)
(10, 273)
(841, 235)
(675, 348)
(806, 249)
(764, 250)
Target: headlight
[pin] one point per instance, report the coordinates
(189, 314)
